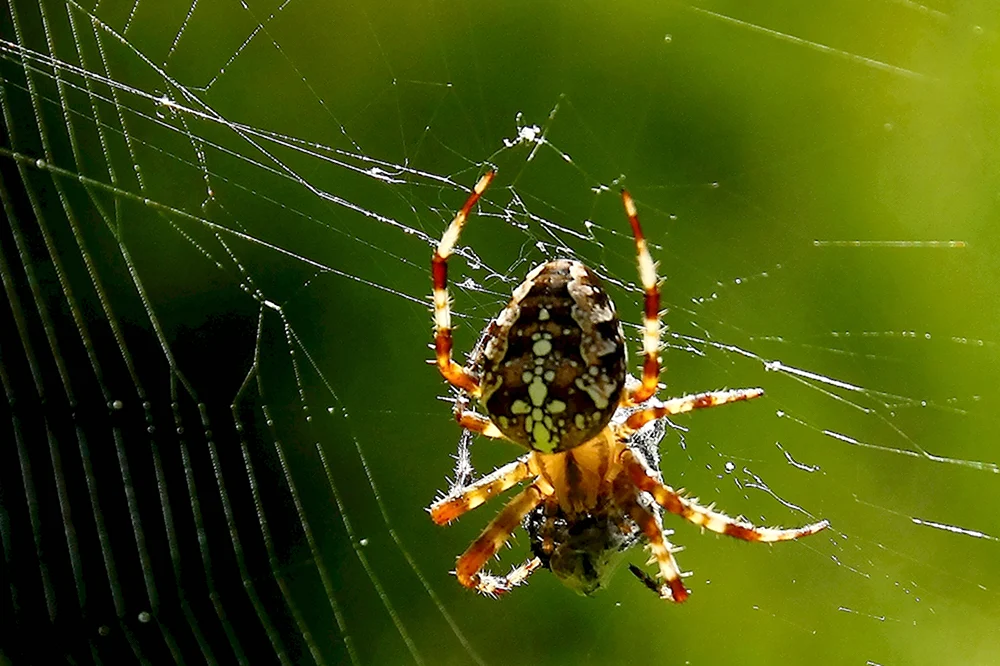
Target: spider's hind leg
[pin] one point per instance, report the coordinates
(651, 311)
(473, 420)
(453, 372)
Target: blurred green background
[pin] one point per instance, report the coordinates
(262, 242)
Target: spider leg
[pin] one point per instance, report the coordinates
(494, 586)
(454, 373)
(673, 588)
(474, 421)
(469, 565)
(687, 403)
(705, 517)
(450, 507)
(478, 423)
(651, 312)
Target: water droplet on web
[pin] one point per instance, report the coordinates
(730, 466)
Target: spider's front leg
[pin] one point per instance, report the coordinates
(469, 566)
(453, 372)
(705, 517)
(494, 586)
(672, 588)
(453, 505)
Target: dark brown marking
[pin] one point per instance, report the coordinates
(439, 271)
(572, 353)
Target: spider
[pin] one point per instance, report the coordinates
(550, 373)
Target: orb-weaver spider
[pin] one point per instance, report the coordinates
(550, 373)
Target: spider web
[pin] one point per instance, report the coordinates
(218, 431)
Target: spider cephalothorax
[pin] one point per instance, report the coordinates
(550, 373)
(583, 550)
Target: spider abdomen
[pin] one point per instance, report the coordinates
(553, 362)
